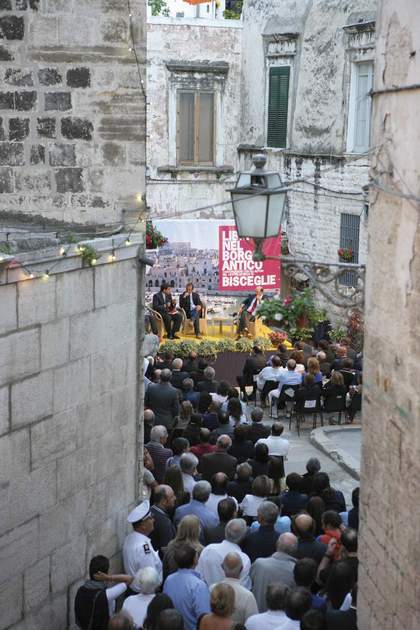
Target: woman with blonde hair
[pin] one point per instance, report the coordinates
(222, 603)
(314, 369)
(188, 533)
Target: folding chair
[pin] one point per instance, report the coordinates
(335, 404)
(308, 405)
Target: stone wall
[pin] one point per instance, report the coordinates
(171, 189)
(389, 575)
(68, 432)
(71, 110)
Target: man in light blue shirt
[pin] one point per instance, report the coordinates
(189, 593)
(200, 495)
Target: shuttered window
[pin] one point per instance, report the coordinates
(278, 106)
(360, 107)
(195, 128)
(349, 239)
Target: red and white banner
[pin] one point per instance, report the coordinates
(237, 269)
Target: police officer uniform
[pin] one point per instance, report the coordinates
(138, 551)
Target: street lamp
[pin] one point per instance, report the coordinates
(258, 201)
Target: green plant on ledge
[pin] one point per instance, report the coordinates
(301, 334)
(89, 255)
(159, 7)
(338, 334)
(297, 310)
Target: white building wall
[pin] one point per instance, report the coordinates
(68, 460)
(172, 190)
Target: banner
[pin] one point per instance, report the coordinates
(208, 253)
(237, 269)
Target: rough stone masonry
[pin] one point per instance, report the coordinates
(71, 109)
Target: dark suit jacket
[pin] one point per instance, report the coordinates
(253, 365)
(257, 431)
(217, 462)
(342, 619)
(262, 543)
(163, 400)
(248, 300)
(184, 302)
(178, 377)
(163, 531)
(208, 386)
(160, 301)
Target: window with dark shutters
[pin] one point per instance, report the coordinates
(349, 239)
(278, 105)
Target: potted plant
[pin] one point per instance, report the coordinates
(297, 310)
(154, 238)
(337, 334)
(345, 254)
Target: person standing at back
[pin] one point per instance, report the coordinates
(163, 399)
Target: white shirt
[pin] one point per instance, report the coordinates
(218, 398)
(136, 606)
(112, 594)
(189, 483)
(251, 503)
(211, 558)
(245, 603)
(214, 500)
(268, 374)
(138, 553)
(277, 446)
(271, 620)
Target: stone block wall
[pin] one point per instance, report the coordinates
(72, 114)
(67, 435)
(389, 574)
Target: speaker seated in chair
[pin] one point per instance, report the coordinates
(194, 311)
(155, 321)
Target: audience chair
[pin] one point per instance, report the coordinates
(310, 405)
(335, 404)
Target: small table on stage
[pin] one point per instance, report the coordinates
(222, 321)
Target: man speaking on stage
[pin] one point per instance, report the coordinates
(191, 303)
(248, 310)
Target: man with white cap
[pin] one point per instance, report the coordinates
(138, 550)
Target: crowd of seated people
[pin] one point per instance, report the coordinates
(225, 536)
(235, 552)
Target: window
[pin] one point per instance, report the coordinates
(195, 127)
(349, 239)
(360, 107)
(278, 105)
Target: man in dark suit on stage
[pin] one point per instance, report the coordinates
(191, 303)
(164, 304)
(248, 310)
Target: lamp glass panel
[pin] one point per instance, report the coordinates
(275, 213)
(273, 180)
(250, 214)
(244, 180)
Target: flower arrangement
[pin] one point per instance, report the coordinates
(154, 238)
(345, 253)
(355, 330)
(209, 348)
(337, 334)
(297, 310)
(277, 338)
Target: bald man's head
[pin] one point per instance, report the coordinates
(232, 565)
(287, 543)
(304, 526)
(121, 621)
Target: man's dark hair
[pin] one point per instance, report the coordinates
(98, 563)
(257, 349)
(204, 435)
(340, 581)
(298, 602)
(179, 445)
(313, 620)
(294, 482)
(184, 556)
(189, 284)
(120, 621)
(223, 388)
(276, 596)
(347, 363)
(164, 285)
(196, 419)
(257, 414)
(223, 418)
(349, 540)
(321, 481)
(204, 402)
(332, 519)
(355, 497)
(261, 453)
(170, 619)
(219, 483)
(276, 361)
(226, 509)
(277, 428)
(160, 602)
(240, 432)
(159, 494)
(304, 572)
